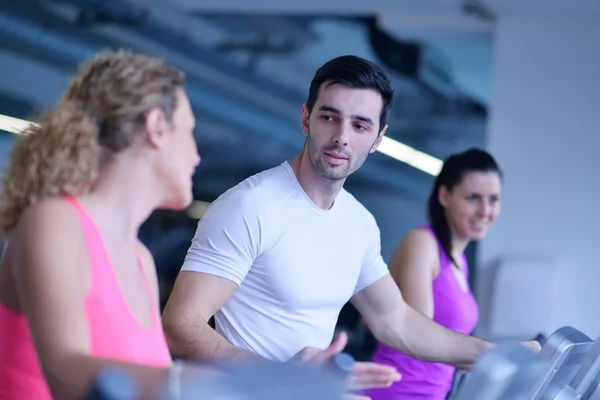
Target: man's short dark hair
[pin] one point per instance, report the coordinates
(353, 72)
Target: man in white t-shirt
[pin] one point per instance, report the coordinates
(276, 257)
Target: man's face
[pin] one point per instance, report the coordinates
(342, 130)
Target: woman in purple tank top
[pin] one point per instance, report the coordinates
(431, 270)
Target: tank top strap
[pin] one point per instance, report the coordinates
(99, 260)
(106, 306)
(83, 215)
(103, 274)
(444, 260)
(93, 238)
(147, 285)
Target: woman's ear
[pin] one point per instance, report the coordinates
(443, 195)
(156, 125)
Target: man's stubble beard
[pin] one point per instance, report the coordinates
(320, 166)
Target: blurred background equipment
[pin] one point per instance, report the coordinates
(256, 381)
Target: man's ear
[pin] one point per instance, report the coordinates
(377, 142)
(305, 119)
(156, 125)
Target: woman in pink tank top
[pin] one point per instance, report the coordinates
(432, 272)
(78, 291)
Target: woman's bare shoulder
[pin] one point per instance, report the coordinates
(49, 213)
(49, 227)
(420, 238)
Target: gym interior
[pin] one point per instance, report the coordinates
(518, 79)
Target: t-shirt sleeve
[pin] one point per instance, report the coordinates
(227, 239)
(373, 266)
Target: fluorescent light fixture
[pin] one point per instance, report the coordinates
(13, 125)
(413, 157)
(390, 147)
(197, 209)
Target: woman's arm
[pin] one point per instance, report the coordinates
(413, 266)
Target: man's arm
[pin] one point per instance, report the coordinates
(400, 327)
(396, 324)
(225, 245)
(228, 239)
(195, 299)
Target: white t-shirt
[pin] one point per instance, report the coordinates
(296, 265)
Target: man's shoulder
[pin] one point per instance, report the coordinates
(359, 210)
(257, 192)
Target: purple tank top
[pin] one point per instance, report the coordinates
(453, 309)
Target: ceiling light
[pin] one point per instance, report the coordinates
(413, 157)
(13, 125)
(197, 209)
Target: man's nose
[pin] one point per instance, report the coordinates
(342, 135)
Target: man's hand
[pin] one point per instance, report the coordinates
(312, 355)
(533, 345)
(370, 375)
(366, 375)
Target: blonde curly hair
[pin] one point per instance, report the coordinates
(100, 113)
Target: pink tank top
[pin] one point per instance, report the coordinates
(114, 331)
(454, 309)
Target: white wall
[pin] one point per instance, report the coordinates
(545, 131)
